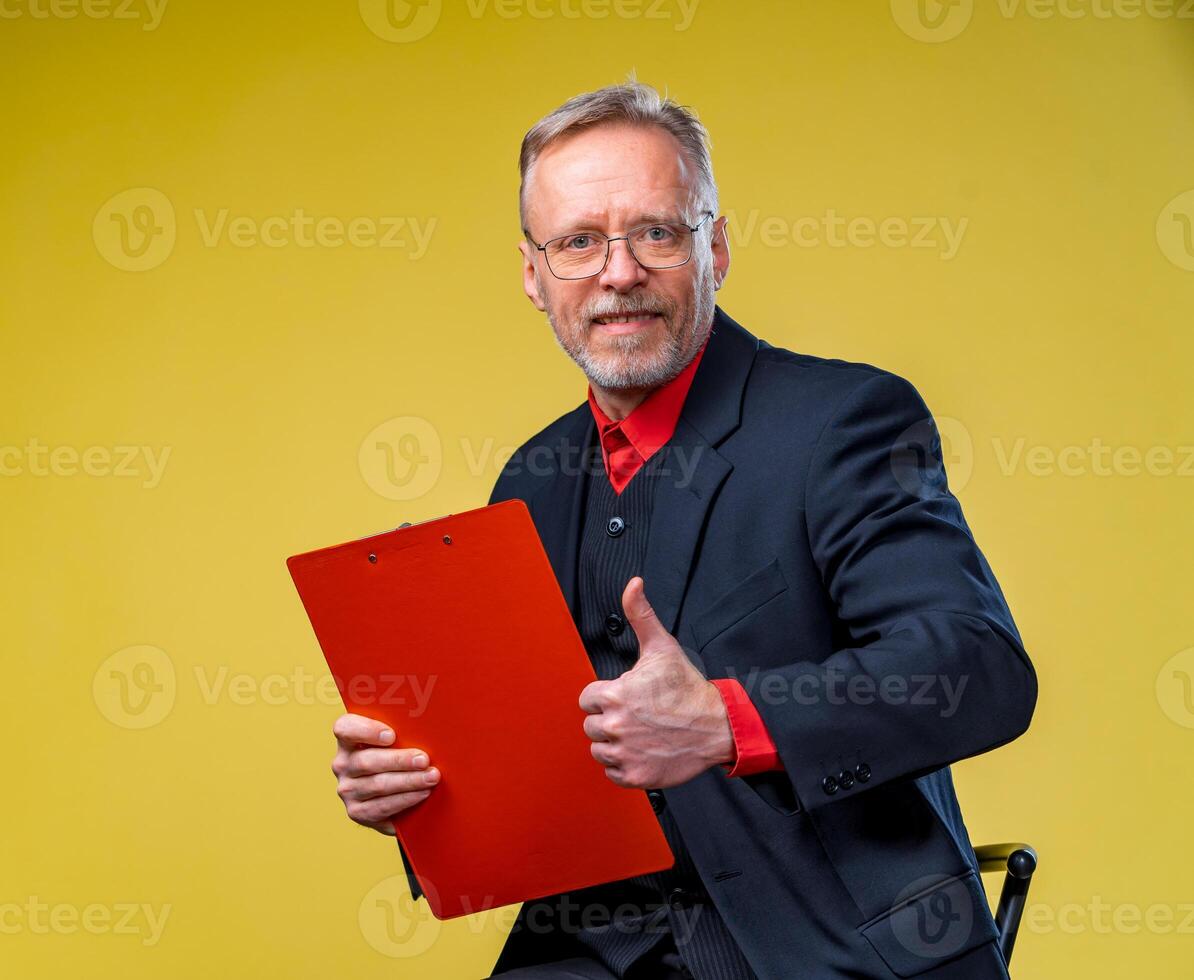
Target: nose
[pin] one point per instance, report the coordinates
(622, 272)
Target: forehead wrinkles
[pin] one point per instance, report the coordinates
(600, 176)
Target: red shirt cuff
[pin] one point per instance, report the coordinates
(756, 751)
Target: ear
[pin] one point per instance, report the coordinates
(530, 284)
(721, 252)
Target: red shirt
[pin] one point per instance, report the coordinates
(625, 446)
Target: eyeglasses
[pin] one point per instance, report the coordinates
(655, 245)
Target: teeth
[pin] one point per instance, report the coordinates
(624, 317)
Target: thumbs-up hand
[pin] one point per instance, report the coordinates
(661, 723)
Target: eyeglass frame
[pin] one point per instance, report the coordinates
(620, 238)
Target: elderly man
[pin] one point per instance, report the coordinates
(793, 629)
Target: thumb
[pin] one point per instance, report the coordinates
(652, 637)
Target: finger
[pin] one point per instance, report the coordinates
(616, 776)
(641, 616)
(595, 697)
(594, 726)
(369, 762)
(383, 827)
(604, 753)
(370, 812)
(353, 730)
(388, 784)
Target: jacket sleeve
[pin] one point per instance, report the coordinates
(930, 668)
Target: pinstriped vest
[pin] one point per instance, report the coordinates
(612, 549)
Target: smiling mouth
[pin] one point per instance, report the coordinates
(624, 322)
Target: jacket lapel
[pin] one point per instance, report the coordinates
(695, 469)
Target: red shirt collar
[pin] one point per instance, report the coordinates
(653, 421)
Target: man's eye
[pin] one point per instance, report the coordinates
(659, 233)
(578, 242)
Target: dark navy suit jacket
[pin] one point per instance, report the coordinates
(805, 541)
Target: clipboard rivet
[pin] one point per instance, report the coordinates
(373, 559)
(447, 539)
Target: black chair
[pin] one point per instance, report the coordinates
(1019, 861)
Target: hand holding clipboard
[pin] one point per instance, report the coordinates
(469, 604)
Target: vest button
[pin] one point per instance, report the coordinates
(614, 624)
(681, 898)
(657, 800)
(615, 526)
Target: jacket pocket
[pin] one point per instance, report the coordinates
(743, 598)
(940, 919)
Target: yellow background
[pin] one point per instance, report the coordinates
(1064, 143)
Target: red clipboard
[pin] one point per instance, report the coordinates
(455, 633)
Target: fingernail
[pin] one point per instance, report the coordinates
(431, 776)
(420, 761)
(386, 737)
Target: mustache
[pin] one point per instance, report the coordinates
(614, 305)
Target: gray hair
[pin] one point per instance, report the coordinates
(630, 102)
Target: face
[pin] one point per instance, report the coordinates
(629, 327)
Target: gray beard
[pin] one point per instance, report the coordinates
(624, 366)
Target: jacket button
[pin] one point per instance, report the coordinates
(615, 526)
(829, 785)
(862, 771)
(658, 802)
(845, 779)
(614, 624)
